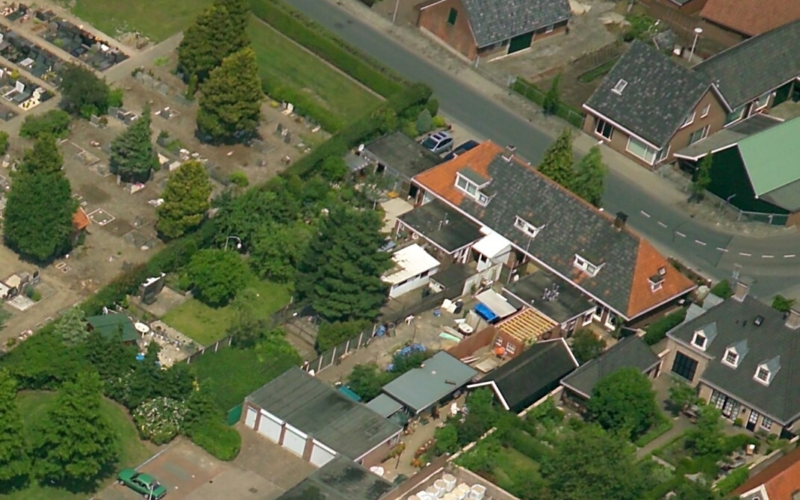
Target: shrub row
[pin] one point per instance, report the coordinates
(303, 105)
(329, 47)
(382, 120)
(658, 330)
(654, 433)
(733, 480)
(534, 94)
(218, 439)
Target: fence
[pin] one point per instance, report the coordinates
(226, 342)
(739, 215)
(534, 94)
(234, 414)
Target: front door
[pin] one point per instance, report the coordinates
(752, 421)
(520, 42)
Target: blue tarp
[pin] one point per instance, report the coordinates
(485, 313)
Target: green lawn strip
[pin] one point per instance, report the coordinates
(293, 74)
(205, 325)
(598, 71)
(231, 373)
(153, 18)
(133, 452)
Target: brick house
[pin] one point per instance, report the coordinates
(543, 225)
(481, 29)
(739, 354)
(779, 479)
(748, 18)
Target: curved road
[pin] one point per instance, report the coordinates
(773, 262)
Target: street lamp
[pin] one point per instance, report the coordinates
(697, 32)
(238, 242)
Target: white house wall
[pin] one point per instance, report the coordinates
(417, 281)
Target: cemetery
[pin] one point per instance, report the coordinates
(97, 53)
(32, 58)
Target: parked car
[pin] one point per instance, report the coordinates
(440, 142)
(461, 149)
(144, 484)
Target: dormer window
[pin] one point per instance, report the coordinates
(700, 340)
(704, 336)
(656, 282)
(474, 184)
(731, 358)
(526, 227)
(762, 374)
(734, 354)
(765, 373)
(586, 266)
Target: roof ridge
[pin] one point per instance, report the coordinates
(749, 41)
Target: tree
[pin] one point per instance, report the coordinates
(586, 345)
(332, 334)
(75, 443)
(702, 178)
(39, 208)
(55, 122)
(446, 440)
(558, 159)
(333, 168)
(43, 158)
(589, 464)
(624, 401)
(82, 92)
(341, 271)
(133, 157)
(424, 121)
(551, 99)
(71, 327)
(782, 304)
(277, 249)
(3, 143)
(708, 437)
(186, 200)
(217, 275)
(694, 490)
(682, 396)
(589, 177)
(230, 107)
(215, 34)
(14, 461)
(366, 380)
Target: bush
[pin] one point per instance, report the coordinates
(3, 142)
(529, 446)
(54, 122)
(320, 41)
(656, 332)
(654, 433)
(439, 122)
(424, 122)
(733, 480)
(159, 420)
(722, 289)
(218, 439)
(239, 179)
(782, 304)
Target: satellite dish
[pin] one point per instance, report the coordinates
(360, 149)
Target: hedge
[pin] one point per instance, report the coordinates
(218, 439)
(654, 433)
(733, 480)
(722, 289)
(656, 332)
(534, 94)
(329, 47)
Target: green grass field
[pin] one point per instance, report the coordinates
(205, 325)
(133, 452)
(282, 60)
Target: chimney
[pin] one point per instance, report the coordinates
(620, 221)
(793, 321)
(509, 154)
(740, 289)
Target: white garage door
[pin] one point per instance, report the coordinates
(321, 454)
(250, 418)
(270, 427)
(294, 440)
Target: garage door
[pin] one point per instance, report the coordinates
(250, 418)
(521, 42)
(270, 427)
(294, 440)
(321, 454)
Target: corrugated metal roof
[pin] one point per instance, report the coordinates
(770, 157)
(421, 387)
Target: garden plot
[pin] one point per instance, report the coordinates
(101, 217)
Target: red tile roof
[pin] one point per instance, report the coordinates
(781, 479)
(80, 220)
(631, 268)
(751, 17)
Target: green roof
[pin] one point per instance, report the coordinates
(770, 157)
(110, 324)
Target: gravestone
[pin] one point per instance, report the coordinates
(287, 138)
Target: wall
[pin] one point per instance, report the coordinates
(473, 343)
(669, 359)
(504, 338)
(379, 454)
(413, 283)
(458, 35)
(744, 412)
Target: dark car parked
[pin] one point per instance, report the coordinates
(461, 149)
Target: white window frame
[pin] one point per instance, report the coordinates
(586, 266)
(663, 153)
(757, 377)
(703, 134)
(705, 111)
(647, 149)
(699, 335)
(465, 186)
(602, 124)
(526, 227)
(741, 109)
(587, 320)
(731, 352)
(688, 121)
(656, 286)
(619, 87)
(482, 199)
(511, 348)
(766, 422)
(757, 106)
(753, 417)
(550, 28)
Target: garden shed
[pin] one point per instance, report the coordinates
(110, 325)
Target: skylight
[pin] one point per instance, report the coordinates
(619, 87)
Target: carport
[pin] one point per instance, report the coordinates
(493, 306)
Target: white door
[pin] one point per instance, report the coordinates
(321, 455)
(250, 418)
(294, 440)
(270, 427)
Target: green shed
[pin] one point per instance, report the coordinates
(109, 325)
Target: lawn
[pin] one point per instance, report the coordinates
(153, 18)
(283, 61)
(132, 451)
(205, 325)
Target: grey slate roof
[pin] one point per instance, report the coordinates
(421, 387)
(734, 323)
(534, 373)
(339, 479)
(384, 406)
(442, 225)
(401, 154)
(658, 97)
(730, 136)
(569, 303)
(315, 408)
(453, 275)
(755, 66)
(493, 21)
(628, 352)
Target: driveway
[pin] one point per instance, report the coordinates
(263, 470)
(484, 107)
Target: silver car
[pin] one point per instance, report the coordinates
(440, 142)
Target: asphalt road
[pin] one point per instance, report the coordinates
(771, 262)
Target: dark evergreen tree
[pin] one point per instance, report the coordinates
(216, 34)
(589, 179)
(82, 92)
(230, 107)
(558, 160)
(133, 156)
(341, 272)
(186, 200)
(15, 464)
(43, 158)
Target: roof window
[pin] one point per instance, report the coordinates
(619, 87)
(586, 266)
